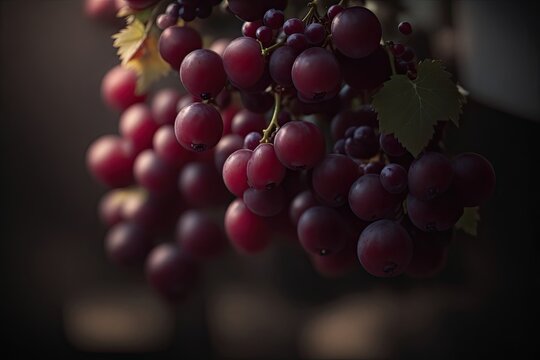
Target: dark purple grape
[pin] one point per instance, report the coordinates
(298, 42)
(248, 233)
(257, 102)
(127, 244)
(301, 203)
(153, 173)
(188, 12)
(249, 29)
(299, 145)
(252, 140)
(385, 249)
(405, 28)
(265, 35)
(225, 147)
(201, 185)
(280, 65)
(374, 167)
(356, 32)
(366, 73)
(274, 18)
(333, 11)
(474, 178)
(370, 201)
(200, 235)
(320, 231)
(438, 214)
(265, 202)
(430, 175)
(171, 272)
(315, 73)
(333, 177)
(394, 178)
(345, 119)
(246, 121)
(293, 26)
(202, 74)
(176, 42)
(164, 21)
(315, 33)
(391, 146)
(198, 127)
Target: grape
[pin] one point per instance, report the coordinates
(293, 26)
(438, 214)
(274, 18)
(265, 35)
(164, 106)
(405, 28)
(385, 249)
(140, 4)
(370, 201)
(315, 73)
(202, 74)
(356, 32)
(235, 171)
(430, 175)
(249, 29)
(247, 232)
(127, 244)
(299, 145)
(333, 11)
(345, 119)
(374, 167)
(104, 10)
(390, 145)
(200, 235)
(257, 102)
(223, 99)
(333, 177)
(301, 203)
(320, 231)
(315, 33)
(110, 207)
(201, 185)
(337, 264)
(243, 62)
(153, 173)
(110, 160)
(185, 101)
(172, 9)
(474, 178)
(198, 127)
(118, 88)
(339, 147)
(408, 54)
(168, 149)
(227, 116)
(394, 178)
(188, 12)
(225, 147)
(176, 42)
(246, 121)
(280, 65)
(252, 140)
(298, 42)
(429, 256)
(164, 21)
(156, 214)
(366, 73)
(264, 170)
(267, 202)
(137, 125)
(171, 271)
(367, 140)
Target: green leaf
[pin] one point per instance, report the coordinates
(410, 108)
(468, 222)
(129, 40)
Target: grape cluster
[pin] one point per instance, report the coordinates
(187, 10)
(218, 163)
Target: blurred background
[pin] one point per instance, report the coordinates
(61, 295)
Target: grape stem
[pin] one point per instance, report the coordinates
(268, 50)
(273, 126)
(312, 12)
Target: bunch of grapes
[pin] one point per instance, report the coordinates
(275, 137)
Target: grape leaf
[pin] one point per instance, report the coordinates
(468, 222)
(129, 40)
(148, 64)
(410, 108)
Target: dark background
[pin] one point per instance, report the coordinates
(271, 305)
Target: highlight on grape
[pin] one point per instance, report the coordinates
(315, 128)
